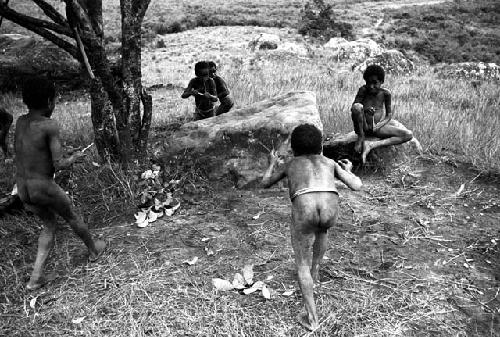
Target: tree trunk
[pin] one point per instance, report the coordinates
(131, 70)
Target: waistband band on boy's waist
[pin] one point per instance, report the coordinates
(312, 190)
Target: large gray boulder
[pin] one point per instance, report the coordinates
(359, 50)
(237, 144)
(264, 41)
(393, 61)
(22, 56)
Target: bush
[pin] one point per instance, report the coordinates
(317, 21)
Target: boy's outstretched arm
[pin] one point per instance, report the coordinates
(343, 172)
(269, 178)
(56, 149)
(189, 90)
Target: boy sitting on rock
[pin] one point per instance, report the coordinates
(202, 87)
(315, 206)
(38, 157)
(368, 116)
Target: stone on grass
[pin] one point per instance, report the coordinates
(358, 50)
(393, 61)
(264, 41)
(237, 144)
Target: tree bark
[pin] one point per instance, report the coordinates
(115, 98)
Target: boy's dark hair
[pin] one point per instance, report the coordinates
(211, 64)
(374, 70)
(199, 66)
(306, 139)
(37, 91)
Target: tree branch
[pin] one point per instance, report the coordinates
(51, 12)
(143, 7)
(13, 16)
(22, 19)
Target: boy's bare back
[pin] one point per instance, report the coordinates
(35, 135)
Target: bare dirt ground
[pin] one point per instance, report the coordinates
(414, 254)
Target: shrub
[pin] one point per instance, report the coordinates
(317, 21)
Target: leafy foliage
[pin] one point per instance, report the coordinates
(466, 33)
(317, 20)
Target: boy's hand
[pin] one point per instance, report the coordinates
(370, 111)
(275, 157)
(206, 94)
(194, 92)
(345, 164)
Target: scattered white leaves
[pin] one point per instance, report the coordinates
(265, 292)
(238, 281)
(192, 261)
(78, 320)
(288, 292)
(248, 273)
(221, 284)
(33, 302)
(257, 216)
(209, 251)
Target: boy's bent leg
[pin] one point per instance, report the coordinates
(302, 243)
(45, 244)
(225, 105)
(60, 203)
(358, 121)
(393, 132)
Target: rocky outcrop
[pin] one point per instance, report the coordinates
(359, 50)
(470, 70)
(22, 56)
(237, 144)
(393, 61)
(264, 41)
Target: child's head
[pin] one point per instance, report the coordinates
(306, 139)
(201, 69)
(39, 94)
(374, 76)
(212, 67)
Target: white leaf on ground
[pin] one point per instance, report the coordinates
(248, 273)
(152, 216)
(258, 285)
(95, 164)
(156, 167)
(222, 285)
(143, 224)
(33, 302)
(209, 251)
(238, 281)
(78, 320)
(192, 261)
(171, 211)
(257, 216)
(269, 278)
(288, 292)
(147, 174)
(265, 292)
(205, 239)
(460, 190)
(140, 217)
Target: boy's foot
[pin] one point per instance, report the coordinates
(35, 284)
(417, 145)
(100, 246)
(304, 321)
(358, 145)
(367, 147)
